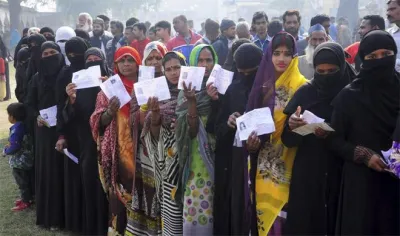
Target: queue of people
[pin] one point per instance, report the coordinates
(179, 166)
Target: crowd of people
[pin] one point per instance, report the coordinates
(179, 167)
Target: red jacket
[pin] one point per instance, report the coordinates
(140, 46)
(352, 50)
(179, 44)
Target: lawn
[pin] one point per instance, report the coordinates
(14, 223)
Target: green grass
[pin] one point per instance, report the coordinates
(14, 223)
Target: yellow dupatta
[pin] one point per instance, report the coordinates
(275, 161)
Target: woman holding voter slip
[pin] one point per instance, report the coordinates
(364, 119)
(196, 148)
(112, 131)
(41, 103)
(159, 136)
(78, 109)
(229, 165)
(68, 136)
(278, 78)
(315, 182)
(153, 55)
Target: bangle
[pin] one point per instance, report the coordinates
(191, 116)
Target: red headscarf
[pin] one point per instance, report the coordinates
(120, 53)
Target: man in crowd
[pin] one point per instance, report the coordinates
(191, 25)
(260, 22)
(292, 22)
(152, 34)
(106, 20)
(225, 40)
(128, 31)
(333, 29)
(99, 39)
(211, 28)
(393, 15)
(243, 30)
(370, 22)
(117, 30)
(186, 38)
(139, 33)
(274, 27)
(323, 20)
(317, 36)
(85, 22)
(163, 31)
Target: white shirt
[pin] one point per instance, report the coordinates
(395, 32)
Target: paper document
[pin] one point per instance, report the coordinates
(258, 120)
(87, 78)
(192, 75)
(157, 87)
(49, 115)
(221, 78)
(71, 156)
(113, 87)
(146, 73)
(313, 122)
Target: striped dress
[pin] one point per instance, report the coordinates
(164, 157)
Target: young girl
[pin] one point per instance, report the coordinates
(21, 160)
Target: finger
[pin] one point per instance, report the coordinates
(184, 85)
(194, 89)
(298, 111)
(209, 85)
(236, 114)
(382, 164)
(190, 86)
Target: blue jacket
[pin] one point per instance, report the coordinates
(18, 151)
(221, 48)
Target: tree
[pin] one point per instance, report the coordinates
(349, 10)
(14, 8)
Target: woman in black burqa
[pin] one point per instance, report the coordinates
(364, 118)
(229, 165)
(75, 49)
(79, 108)
(48, 162)
(316, 172)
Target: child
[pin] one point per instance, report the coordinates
(20, 159)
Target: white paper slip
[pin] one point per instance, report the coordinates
(113, 87)
(192, 75)
(87, 78)
(221, 78)
(258, 120)
(146, 73)
(49, 115)
(71, 156)
(313, 122)
(157, 87)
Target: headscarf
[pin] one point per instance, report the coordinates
(182, 131)
(23, 55)
(230, 62)
(23, 41)
(105, 71)
(33, 30)
(266, 91)
(83, 34)
(50, 66)
(158, 46)
(36, 54)
(121, 52)
(77, 46)
(328, 86)
(64, 34)
(377, 85)
(248, 57)
(48, 30)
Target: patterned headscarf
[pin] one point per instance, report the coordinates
(158, 46)
(120, 53)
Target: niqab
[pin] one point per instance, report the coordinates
(105, 71)
(50, 66)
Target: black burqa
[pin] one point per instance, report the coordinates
(364, 116)
(67, 129)
(315, 182)
(94, 199)
(22, 43)
(48, 162)
(20, 73)
(229, 217)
